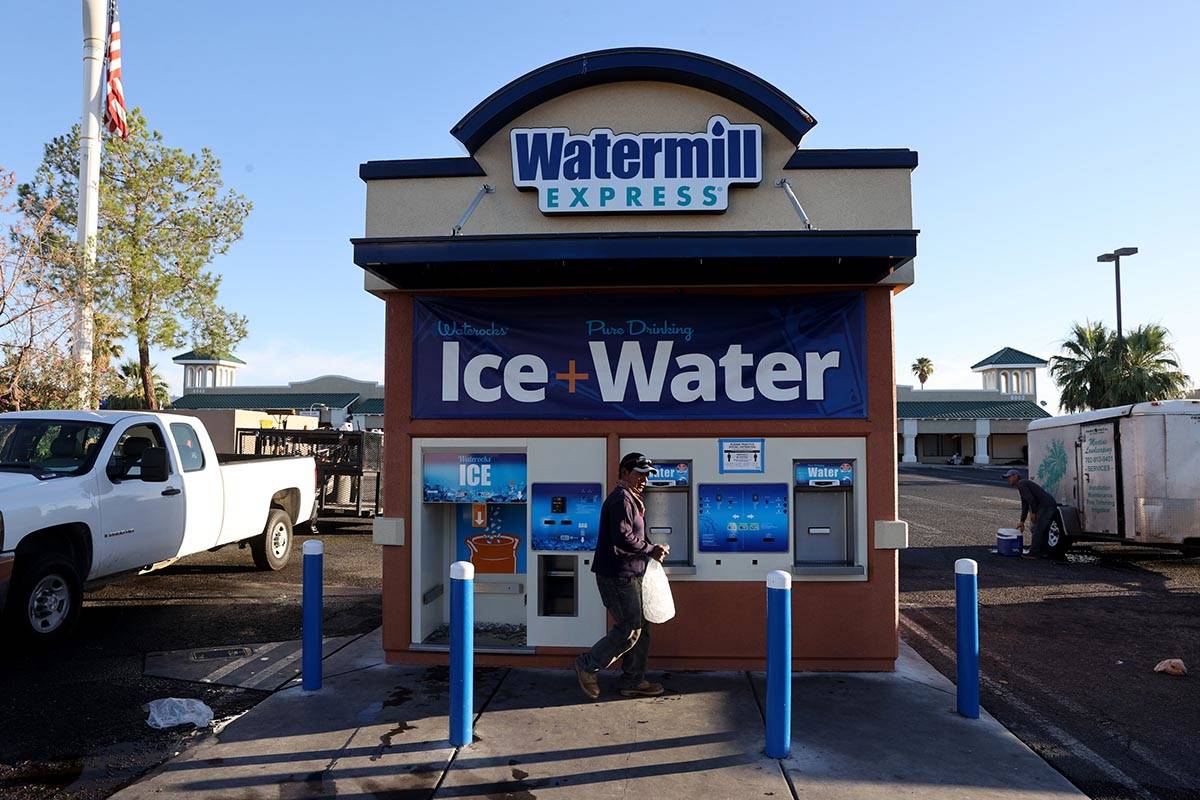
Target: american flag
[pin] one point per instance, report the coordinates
(114, 92)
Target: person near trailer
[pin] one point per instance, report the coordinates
(1038, 503)
(619, 563)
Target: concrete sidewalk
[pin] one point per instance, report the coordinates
(379, 731)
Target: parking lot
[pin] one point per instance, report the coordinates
(73, 719)
(1068, 651)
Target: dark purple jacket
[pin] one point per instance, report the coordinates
(621, 547)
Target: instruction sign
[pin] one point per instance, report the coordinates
(741, 455)
(743, 517)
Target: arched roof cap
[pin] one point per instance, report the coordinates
(632, 64)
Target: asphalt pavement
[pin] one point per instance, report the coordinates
(72, 720)
(1068, 650)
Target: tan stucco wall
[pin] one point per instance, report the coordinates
(1008, 446)
(833, 199)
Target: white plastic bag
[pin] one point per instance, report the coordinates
(657, 603)
(171, 711)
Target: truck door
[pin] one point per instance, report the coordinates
(1099, 478)
(142, 523)
(203, 493)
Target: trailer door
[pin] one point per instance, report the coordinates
(1100, 478)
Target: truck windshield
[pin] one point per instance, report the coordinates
(49, 447)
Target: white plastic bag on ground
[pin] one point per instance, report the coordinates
(171, 711)
(657, 603)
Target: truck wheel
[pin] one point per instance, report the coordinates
(44, 599)
(273, 548)
(1057, 541)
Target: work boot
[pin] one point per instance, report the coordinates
(643, 689)
(587, 680)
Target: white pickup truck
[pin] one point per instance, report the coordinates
(86, 495)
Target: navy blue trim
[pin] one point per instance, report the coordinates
(632, 64)
(461, 167)
(885, 158)
(468, 167)
(739, 258)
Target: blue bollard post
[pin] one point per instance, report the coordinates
(462, 651)
(779, 664)
(310, 663)
(966, 598)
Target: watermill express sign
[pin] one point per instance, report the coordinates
(604, 172)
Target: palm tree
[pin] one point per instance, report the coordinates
(1084, 373)
(1098, 370)
(128, 391)
(1149, 368)
(922, 368)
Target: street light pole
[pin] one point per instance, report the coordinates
(1115, 258)
(1117, 271)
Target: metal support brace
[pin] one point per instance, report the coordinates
(484, 189)
(787, 187)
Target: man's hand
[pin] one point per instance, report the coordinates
(1021, 527)
(660, 552)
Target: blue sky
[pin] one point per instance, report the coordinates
(1048, 133)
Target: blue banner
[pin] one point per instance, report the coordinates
(474, 478)
(743, 517)
(825, 473)
(640, 357)
(566, 516)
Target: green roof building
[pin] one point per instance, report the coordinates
(208, 385)
(983, 426)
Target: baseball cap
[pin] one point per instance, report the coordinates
(1012, 472)
(636, 462)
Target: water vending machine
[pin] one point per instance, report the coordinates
(668, 497)
(823, 513)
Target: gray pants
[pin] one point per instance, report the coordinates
(630, 634)
(1041, 529)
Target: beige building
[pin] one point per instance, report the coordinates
(982, 426)
(209, 384)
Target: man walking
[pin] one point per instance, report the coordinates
(619, 563)
(1035, 500)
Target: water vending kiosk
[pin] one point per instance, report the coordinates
(558, 296)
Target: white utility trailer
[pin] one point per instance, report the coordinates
(1129, 474)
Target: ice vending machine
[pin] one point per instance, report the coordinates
(823, 513)
(668, 497)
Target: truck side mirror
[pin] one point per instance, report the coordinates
(154, 465)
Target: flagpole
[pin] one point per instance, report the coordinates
(95, 32)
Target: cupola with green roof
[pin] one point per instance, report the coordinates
(1010, 371)
(203, 369)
